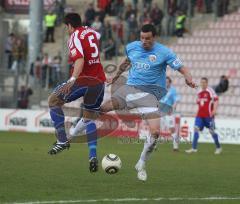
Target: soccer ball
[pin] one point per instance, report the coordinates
(111, 163)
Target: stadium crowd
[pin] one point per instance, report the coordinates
(117, 21)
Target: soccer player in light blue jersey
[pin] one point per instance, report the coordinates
(169, 103)
(147, 61)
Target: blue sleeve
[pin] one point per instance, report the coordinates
(173, 61)
(176, 96)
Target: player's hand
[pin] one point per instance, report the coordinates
(213, 113)
(111, 81)
(66, 88)
(190, 83)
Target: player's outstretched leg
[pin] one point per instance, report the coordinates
(175, 142)
(57, 117)
(216, 141)
(195, 141)
(149, 146)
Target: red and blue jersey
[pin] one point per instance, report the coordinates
(205, 101)
(84, 43)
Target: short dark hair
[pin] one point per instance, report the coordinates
(73, 19)
(169, 79)
(149, 28)
(204, 78)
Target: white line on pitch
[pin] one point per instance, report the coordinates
(125, 200)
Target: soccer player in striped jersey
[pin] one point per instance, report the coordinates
(87, 81)
(207, 107)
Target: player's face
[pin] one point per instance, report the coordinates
(204, 84)
(147, 40)
(70, 29)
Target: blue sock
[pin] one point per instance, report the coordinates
(215, 138)
(57, 116)
(91, 131)
(195, 140)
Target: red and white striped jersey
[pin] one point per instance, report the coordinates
(205, 101)
(84, 43)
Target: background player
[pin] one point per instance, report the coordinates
(170, 100)
(207, 107)
(87, 81)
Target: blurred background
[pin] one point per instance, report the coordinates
(34, 59)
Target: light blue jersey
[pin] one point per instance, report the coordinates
(148, 67)
(171, 97)
(166, 103)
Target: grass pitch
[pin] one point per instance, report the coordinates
(28, 173)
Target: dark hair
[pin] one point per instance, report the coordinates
(204, 78)
(169, 79)
(149, 28)
(73, 19)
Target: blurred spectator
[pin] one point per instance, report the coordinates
(222, 7)
(156, 15)
(19, 55)
(147, 4)
(182, 5)
(199, 4)
(50, 21)
(23, 97)
(208, 5)
(37, 69)
(105, 5)
(46, 66)
(145, 18)
(135, 4)
(222, 86)
(132, 28)
(180, 24)
(109, 49)
(97, 24)
(59, 8)
(100, 12)
(118, 6)
(107, 32)
(90, 15)
(9, 49)
(129, 12)
(118, 30)
(172, 8)
(56, 70)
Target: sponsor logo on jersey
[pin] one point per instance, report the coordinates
(141, 66)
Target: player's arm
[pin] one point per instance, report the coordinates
(188, 77)
(123, 66)
(78, 67)
(215, 106)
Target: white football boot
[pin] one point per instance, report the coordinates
(218, 151)
(190, 151)
(141, 172)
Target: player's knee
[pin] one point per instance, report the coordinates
(196, 129)
(155, 132)
(211, 131)
(53, 101)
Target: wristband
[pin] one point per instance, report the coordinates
(71, 79)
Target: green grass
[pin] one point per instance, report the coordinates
(28, 173)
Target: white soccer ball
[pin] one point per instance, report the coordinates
(111, 163)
